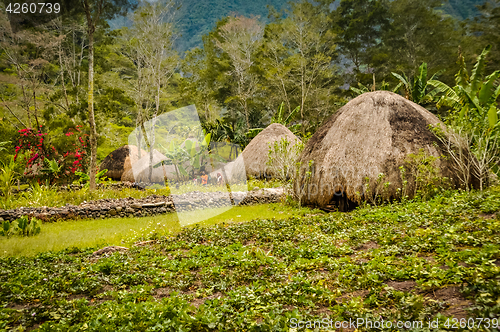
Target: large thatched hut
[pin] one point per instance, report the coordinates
(121, 160)
(256, 154)
(373, 134)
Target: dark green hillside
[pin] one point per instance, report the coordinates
(197, 18)
(462, 9)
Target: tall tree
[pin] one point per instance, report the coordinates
(154, 31)
(96, 12)
(27, 55)
(297, 60)
(240, 37)
(199, 85)
(359, 25)
(420, 33)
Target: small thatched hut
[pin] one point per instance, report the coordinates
(139, 172)
(120, 160)
(256, 154)
(235, 171)
(373, 134)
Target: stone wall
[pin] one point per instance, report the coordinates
(149, 206)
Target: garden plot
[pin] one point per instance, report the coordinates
(413, 261)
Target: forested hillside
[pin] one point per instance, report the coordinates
(462, 9)
(196, 18)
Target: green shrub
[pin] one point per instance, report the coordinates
(7, 177)
(22, 226)
(422, 170)
(283, 157)
(85, 178)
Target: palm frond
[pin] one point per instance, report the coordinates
(472, 100)
(290, 117)
(478, 70)
(486, 92)
(450, 97)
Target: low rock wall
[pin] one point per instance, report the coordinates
(149, 206)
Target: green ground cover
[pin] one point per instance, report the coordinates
(412, 261)
(124, 231)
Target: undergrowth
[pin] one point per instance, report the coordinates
(259, 275)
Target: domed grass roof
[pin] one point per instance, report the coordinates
(373, 134)
(256, 154)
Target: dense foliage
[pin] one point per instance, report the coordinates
(304, 56)
(395, 262)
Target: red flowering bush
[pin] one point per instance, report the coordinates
(44, 161)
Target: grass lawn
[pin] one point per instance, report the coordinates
(124, 231)
(417, 262)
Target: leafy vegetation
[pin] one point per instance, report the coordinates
(384, 262)
(84, 178)
(283, 158)
(475, 117)
(23, 226)
(42, 195)
(7, 176)
(416, 91)
(305, 56)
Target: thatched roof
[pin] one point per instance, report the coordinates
(235, 171)
(372, 134)
(256, 154)
(139, 172)
(120, 160)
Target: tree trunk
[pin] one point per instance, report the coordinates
(302, 97)
(246, 115)
(152, 142)
(62, 78)
(93, 132)
(152, 139)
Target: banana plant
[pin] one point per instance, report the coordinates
(176, 156)
(363, 88)
(474, 100)
(416, 89)
(197, 152)
(191, 152)
(475, 97)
